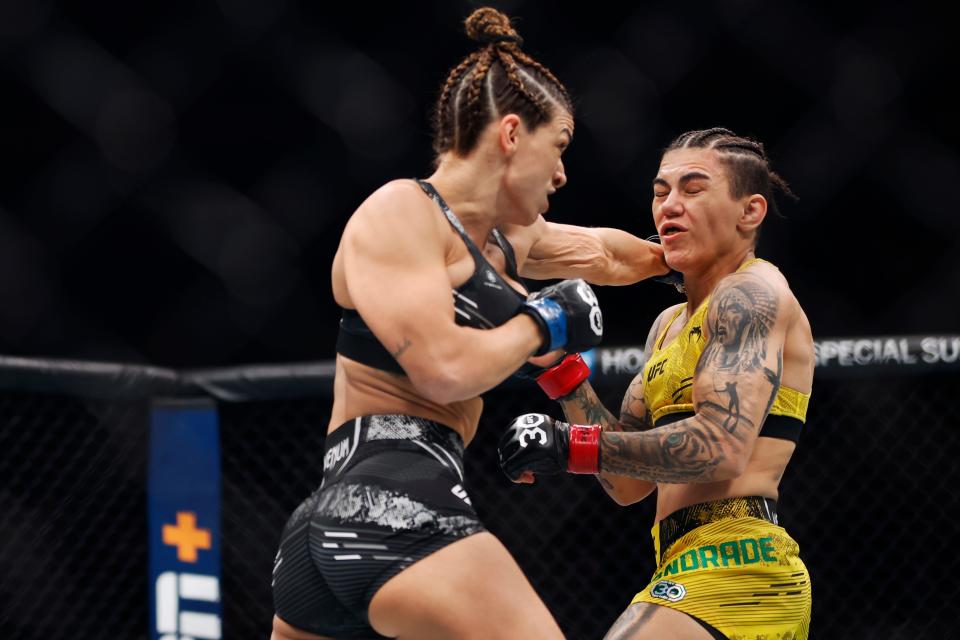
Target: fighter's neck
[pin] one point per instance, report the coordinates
(472, 194)
(699, 285)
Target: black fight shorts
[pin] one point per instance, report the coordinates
(392, 494)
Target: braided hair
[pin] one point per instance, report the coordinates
(745, 158)
(496, 79)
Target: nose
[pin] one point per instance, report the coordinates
(559, 176)
(672, 206)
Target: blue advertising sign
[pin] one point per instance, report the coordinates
(184, 521)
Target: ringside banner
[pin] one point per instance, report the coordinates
(919, 353)
(184, 521)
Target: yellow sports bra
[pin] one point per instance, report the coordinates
(668, 380)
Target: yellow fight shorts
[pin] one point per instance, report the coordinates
(730, 565)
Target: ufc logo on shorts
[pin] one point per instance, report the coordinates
(532, 430)
(173, 622)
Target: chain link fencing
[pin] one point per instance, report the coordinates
(870, 496)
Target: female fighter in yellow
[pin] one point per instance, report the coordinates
(712, 420)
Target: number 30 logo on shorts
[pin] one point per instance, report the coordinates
(532, 430)
(670, 591)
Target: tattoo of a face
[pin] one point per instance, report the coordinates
(741, 319)
(401, 349)
(742, 316)
(734, 366)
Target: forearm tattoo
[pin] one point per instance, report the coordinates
(584, 407)
(736, 389)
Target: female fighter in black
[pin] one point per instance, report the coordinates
(428, 274)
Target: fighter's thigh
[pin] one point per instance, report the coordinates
(284, 631)
(645, 621)
(471, 588)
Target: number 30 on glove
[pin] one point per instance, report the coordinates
(537, 443)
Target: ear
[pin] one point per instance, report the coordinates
(753, 213)
(509, 133)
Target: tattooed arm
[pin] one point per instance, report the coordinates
(584, 407)
(735, 382)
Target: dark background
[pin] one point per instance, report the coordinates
(176, 176)
(175, 180)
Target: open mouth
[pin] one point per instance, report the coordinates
(670, 229)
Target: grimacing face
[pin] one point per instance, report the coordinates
(693, 210)
(536, 170)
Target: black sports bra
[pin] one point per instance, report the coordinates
(484, 301)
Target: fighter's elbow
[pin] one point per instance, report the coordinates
(730, 468)
(625, 499)
(437, 385)
(628, 491)
(436, 380)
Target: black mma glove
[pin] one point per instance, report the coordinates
(536, 442)
(568, 315)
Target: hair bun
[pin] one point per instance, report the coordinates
(488, 26)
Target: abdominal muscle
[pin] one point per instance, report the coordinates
(359, 390)
(761, 478)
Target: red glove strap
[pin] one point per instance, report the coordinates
(560, 380)
(584, 454)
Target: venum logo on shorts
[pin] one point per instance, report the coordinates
(461, 493)
(335, 454)
(670, 591)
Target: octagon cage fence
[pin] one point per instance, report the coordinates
(870, 495)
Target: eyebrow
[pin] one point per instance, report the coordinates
(685, 178)
(568, 132)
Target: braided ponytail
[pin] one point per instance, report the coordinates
(496, 79)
